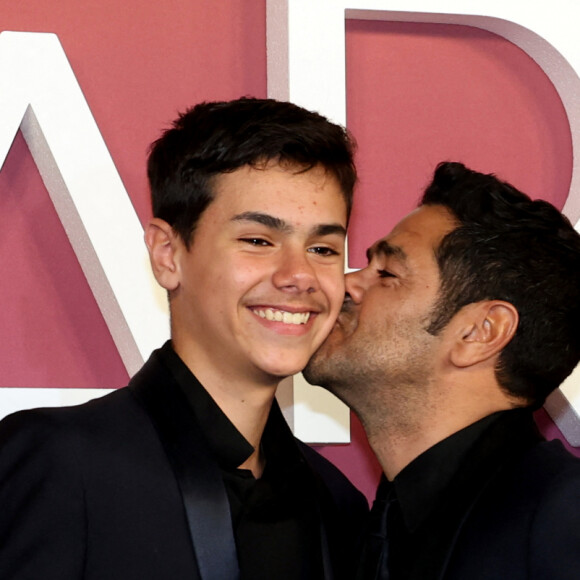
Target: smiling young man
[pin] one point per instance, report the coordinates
(463, 322)
(191, 471)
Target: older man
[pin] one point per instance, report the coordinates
(465, 319)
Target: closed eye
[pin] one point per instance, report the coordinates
(385, 274)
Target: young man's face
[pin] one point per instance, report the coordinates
(262, 282)
(380, 340)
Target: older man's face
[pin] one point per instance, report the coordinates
(380, 339)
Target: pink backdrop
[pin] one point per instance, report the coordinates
(417, 94)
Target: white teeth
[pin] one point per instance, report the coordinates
(283, 316)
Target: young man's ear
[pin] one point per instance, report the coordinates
(163, 245)
(487, 327)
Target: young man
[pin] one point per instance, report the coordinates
(191, 471)
(465, 319)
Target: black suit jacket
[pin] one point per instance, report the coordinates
(511, 512)
(124, 487)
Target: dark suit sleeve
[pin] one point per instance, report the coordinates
(42, 520)
(554, 552)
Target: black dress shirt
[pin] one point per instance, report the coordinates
(276, 520)
(420, 490)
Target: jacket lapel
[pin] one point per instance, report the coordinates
(199, 478)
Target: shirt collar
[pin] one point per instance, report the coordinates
(228, 445)
(421, 484)
(279, 445)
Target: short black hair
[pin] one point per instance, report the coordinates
(523, 251)
(219, 137)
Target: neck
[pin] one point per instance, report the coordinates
(246, 401)
(249, 415)
(400, 433)
(396, 442)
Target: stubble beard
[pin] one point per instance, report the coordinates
(384, 380)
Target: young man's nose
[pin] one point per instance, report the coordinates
(295, 272)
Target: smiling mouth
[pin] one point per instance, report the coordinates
(284, 316)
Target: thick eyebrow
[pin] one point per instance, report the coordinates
(384, 248)
(263, 218)
(280, 225)
(329, 230)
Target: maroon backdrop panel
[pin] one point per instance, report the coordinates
(417, 94)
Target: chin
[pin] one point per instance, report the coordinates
(312, 376)
(321, 369)
(283, 371)
(287, 372)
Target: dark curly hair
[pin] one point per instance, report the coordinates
(509, 247)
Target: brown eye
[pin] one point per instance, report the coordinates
(323, 251)
(255, 241)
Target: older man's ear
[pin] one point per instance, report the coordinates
(483, 330)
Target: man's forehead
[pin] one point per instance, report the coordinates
(425, 226)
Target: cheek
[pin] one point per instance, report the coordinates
(372, 317)
(242, 278)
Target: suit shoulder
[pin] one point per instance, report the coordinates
(65, 428)
(547, 466)
(525, 523)
(554, 469)
(554, 540)
(555, 456)
(45, 455)
(45, 417)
